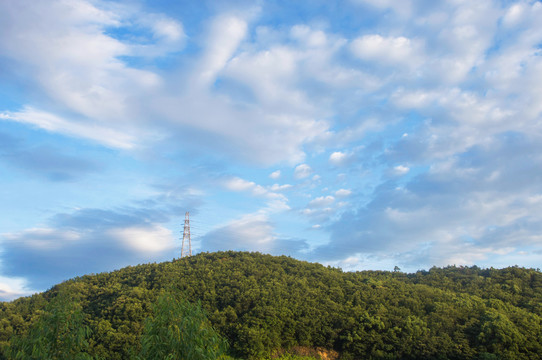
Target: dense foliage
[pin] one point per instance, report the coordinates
(178, 329)
(263, 305)
(58, 333)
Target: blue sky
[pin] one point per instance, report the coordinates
(361, 134)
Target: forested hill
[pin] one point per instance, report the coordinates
(261, 304)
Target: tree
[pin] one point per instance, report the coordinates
(180, 330)
(59, 333)
(500, 335)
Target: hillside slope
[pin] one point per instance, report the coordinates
(262, 303)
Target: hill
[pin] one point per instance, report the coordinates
(263, 304)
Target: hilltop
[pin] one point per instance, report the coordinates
(264, 304)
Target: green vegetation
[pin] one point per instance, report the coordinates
(179, 330)
(265, 306)
(57, 334)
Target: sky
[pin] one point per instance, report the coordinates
(360, 134)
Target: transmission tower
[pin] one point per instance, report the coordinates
(186, 235)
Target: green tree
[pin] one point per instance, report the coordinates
(500, 335)
(180, 330)
(264, 304)
(59, 333)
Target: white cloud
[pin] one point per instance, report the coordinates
(238, 184)
(514, 14)
(152, 239)
(302, 171)
(225, 36)
(167, 36)
(168, 28)
(277, 187)
(12, 288)
(357, 262)
(44, 239)
(102, 97)
(414, 99)
(101, 134)
(275, 174)
(321, 201)
(343, 193)
(270, 75)
(89, 240)
(81, 10)
(249, 134)
(313, 38)
(276, 202)
(319, 214)
(387, 50)
(251, 232)
(462, 76)
(401, 170)
(464, 40)
(338, 158)
(456, 213)
(63, 47)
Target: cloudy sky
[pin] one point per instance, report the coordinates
(361, 134)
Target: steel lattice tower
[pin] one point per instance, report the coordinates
(186, 235)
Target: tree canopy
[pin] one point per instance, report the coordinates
(264, 305)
